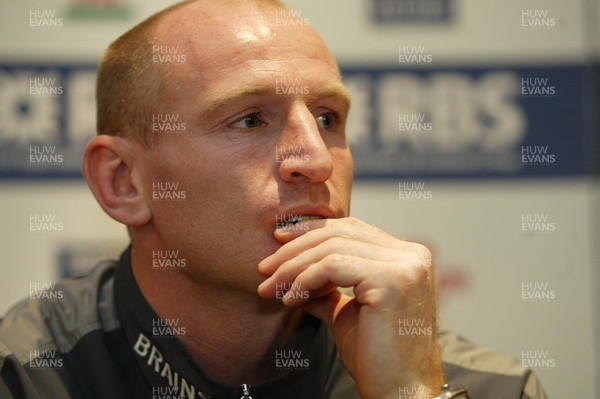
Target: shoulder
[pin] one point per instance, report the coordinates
(486, 372)
(57, 317)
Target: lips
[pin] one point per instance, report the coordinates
(296, 216)
(295, 219)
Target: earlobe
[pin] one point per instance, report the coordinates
(109, 169)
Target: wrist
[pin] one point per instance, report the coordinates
(453, 393)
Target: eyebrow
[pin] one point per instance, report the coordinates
(228, 97)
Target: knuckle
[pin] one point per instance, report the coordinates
(331, 261)
(422, 251)
(416, 263)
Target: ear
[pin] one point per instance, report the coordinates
(109, 169)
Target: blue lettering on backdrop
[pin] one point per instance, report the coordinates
(47, 115)
(411, 11)
(449, 123)
(467, 122)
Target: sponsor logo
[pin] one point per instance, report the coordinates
(155, 360)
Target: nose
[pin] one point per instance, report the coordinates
(301, 153)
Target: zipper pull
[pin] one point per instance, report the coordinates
(246, 391)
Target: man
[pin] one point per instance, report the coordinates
(261, 240)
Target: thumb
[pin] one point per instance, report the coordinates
(340, 313)
(337, 310)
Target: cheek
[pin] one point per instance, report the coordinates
(218, 184)
(175, 180)
(343, 165)
(343, 174)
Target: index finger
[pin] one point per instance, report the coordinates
(320, 230)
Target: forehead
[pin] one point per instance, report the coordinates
(220, 39)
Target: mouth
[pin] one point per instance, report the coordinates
(285, 221)
(296, 218)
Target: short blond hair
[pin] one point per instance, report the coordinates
(129, 84)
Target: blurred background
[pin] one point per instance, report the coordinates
(474, 128)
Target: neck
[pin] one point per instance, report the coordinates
(232, 334)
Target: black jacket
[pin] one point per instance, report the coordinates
(97, 337)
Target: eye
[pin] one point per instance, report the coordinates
(249, 121)
(326, 121)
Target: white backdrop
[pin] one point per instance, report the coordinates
(473, 226)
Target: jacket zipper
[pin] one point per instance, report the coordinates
(246, 391)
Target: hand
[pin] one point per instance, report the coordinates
(386, 334)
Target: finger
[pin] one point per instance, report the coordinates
(339, 312)
(339, 245)
(323, 277)
(334, 270)
(285, 233)
(350, 228)
(298, 296)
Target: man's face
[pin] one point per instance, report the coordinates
(264, 112)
